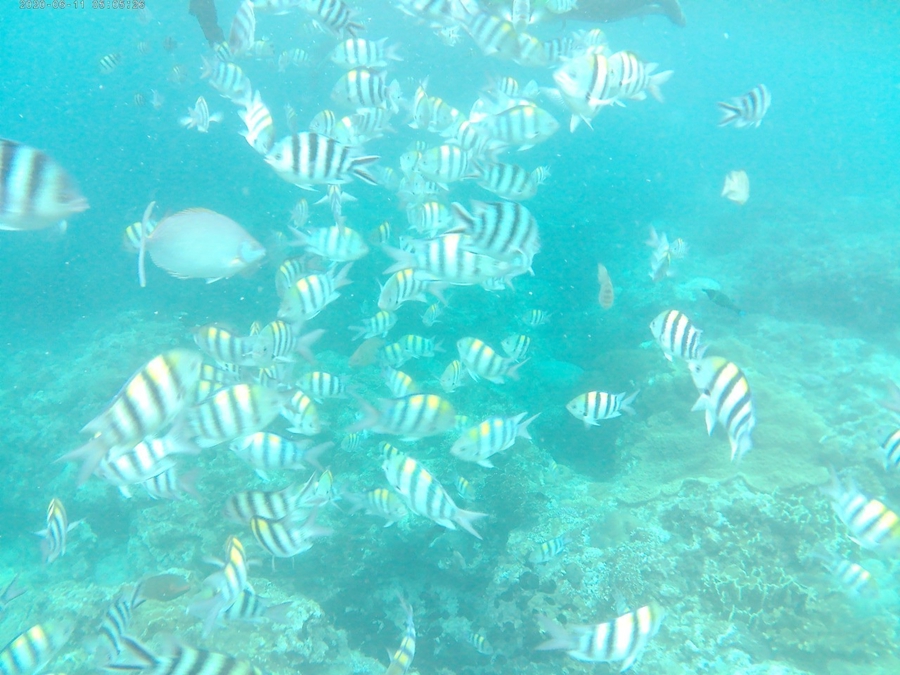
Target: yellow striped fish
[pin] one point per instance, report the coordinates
(726, 399)
(481, 361)
(285, 539)
(303, 415)
(233, 412)
(226, 584)
(618, 641)
(422, 492)
(30, 651)
(53, 542)
(149, 401)
(402, 658)
(224, 346)
(378, 502)
(411, 417)
(495, 434)
(180, 659)
(872, 525)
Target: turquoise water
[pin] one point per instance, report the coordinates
(655, 509)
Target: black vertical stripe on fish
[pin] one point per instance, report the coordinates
(36, 179)
(295, 155)
(8, 151)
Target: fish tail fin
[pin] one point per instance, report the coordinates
(278, 613)
(12, 591)
(405, 259)
(513, 371)
(134, 656)
(465, 518)
(626, 403)
(90, 455)
(656, 81)
(559, 636)
(187, 483)
(371, 416)
(729, 113)
(312, 455)
(142, 250)
(740, 447)
(358, 168)
(304, 342)
(892, 402)
(522, 431)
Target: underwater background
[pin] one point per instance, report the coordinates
(654, 507)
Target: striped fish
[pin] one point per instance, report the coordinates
(307, 158)
(532, 52)
(429, 218)
(508, 181)
(550, 549)
(289, 272)
(516, 346)
(172, 486)
(430, 317)
(251, 607)
(522, 125)
(356, 52)
(53, 542)
(180, 659)
(872, 525)
(269, 452)
(260, 132)
(393, 355)
(302, 414)
(504, 230)
(381, 234)
(224, 346)
(312, 293)
(402, 659)
(480, 642)
(402, 286)
(114, 626)
(228, 79)
(277, 342)
(422, 492)
(363, 126)
(149, 401)
(30, 651)
(447, 259)
(109, 63)
(323, 123)
(444, 164)
(536, 317)
(233, 412)
(378, 502)
(285, 539)
(410, 417)
(321, 385)
(419, 347)
(891, 448)
(634, 79)
(376, 325)
(35, 191)
(493, 35)
(453, 376)
(586, 87)
(399, 382)
(464, 488)
(337, 243)
(226, 584)
(853, 577)
(618, 641)
(131, 238)
(242, 507)
(482, 362)
(495, 434)
(748, 110)
(333, 15)
(366, 88)
(677, 336)
(144, 461)
(243, 29)
(726, 399)
(595, 406)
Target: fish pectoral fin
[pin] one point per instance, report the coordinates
(701, 404)
(710, 421)
(212, 281)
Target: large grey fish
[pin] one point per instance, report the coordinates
(199, 244)
(35, 191)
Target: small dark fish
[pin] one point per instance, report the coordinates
(164, 587)
(723, 300)
(170, 44)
